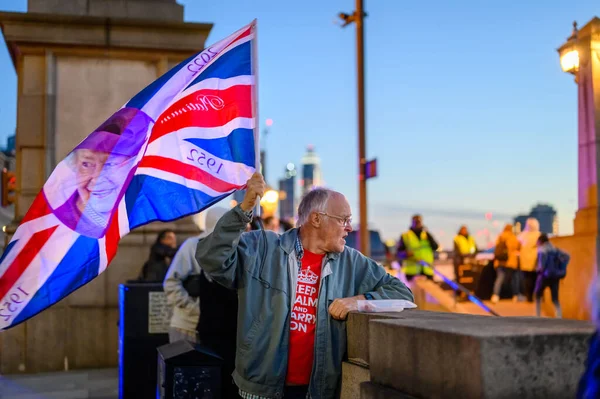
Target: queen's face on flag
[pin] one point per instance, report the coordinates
(89, 183)
(99, 178)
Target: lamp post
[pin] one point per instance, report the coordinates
(580, 56)
(263, 152)
(358, 18)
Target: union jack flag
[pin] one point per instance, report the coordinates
(183, 143)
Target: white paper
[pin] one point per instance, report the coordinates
(385, 305)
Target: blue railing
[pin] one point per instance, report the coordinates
(458, 287)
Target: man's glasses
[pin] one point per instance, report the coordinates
(345, 221)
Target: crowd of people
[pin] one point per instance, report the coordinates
(528, 261)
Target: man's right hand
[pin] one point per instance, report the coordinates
(255, 188)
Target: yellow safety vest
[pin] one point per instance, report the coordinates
(465, 245)
(421, 250)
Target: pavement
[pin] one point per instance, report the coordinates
(80, 384)
(505, 307)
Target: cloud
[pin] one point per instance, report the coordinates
(432, 211)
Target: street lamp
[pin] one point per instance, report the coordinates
(569, 53)
(580, 56)
(263, 152)
(358, 18)
(269, 202)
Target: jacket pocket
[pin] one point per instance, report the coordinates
(251, 334)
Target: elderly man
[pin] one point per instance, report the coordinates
(295, 290)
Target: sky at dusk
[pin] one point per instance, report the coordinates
(468, 110)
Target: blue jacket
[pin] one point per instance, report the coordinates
(266, 292)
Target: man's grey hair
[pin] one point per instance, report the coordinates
(314, 201)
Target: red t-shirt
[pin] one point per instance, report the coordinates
(303, 320)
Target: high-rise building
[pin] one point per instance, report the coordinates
(11, 145)
(545, 215)
(287, 192)
(311, 170)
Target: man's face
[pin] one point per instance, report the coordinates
(464, 231)
(99, 178)
(417, 222)
(336, 226)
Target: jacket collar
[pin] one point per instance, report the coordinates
(290, 239)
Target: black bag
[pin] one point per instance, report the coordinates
(192, 285)
(501, 251)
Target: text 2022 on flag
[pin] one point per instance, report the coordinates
(182, 144)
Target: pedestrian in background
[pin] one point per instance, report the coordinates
(551, 268)
(528, 256)
(506, 262)
(182, 284)
(415, 246)
(161, 253)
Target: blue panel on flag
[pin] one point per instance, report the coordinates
(169, 201)
(237, 147)
(7, 250)
(66, 278)
(235, 62)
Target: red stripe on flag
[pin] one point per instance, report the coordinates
(23, 259)
(38, 209)
(245, 33)
(205, 108)
(188, 171)
(112, 238)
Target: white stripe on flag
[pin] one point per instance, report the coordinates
(172, 177)
(217, 84)
(38, 271)
(123, 218)
(103, 261)
(22, 235)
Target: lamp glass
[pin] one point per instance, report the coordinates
(569, 61)
(270, 197)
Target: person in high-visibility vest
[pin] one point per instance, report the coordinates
(464, 247)
(416, 245)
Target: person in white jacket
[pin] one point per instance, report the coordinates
(186, 308)
(528, 256)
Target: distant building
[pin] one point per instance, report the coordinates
(11, 145)
(545, 214)
(519, 223)
(287, 193)
(311, 170)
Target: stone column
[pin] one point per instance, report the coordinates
(77, 62)
(584, 245)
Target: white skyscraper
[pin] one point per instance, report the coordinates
(311, 170)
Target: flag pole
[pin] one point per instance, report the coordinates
(254, 60)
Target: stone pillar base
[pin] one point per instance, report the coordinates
(586, 221)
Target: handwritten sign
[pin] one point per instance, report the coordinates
(159, 313)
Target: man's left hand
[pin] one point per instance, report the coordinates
(340, 307)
